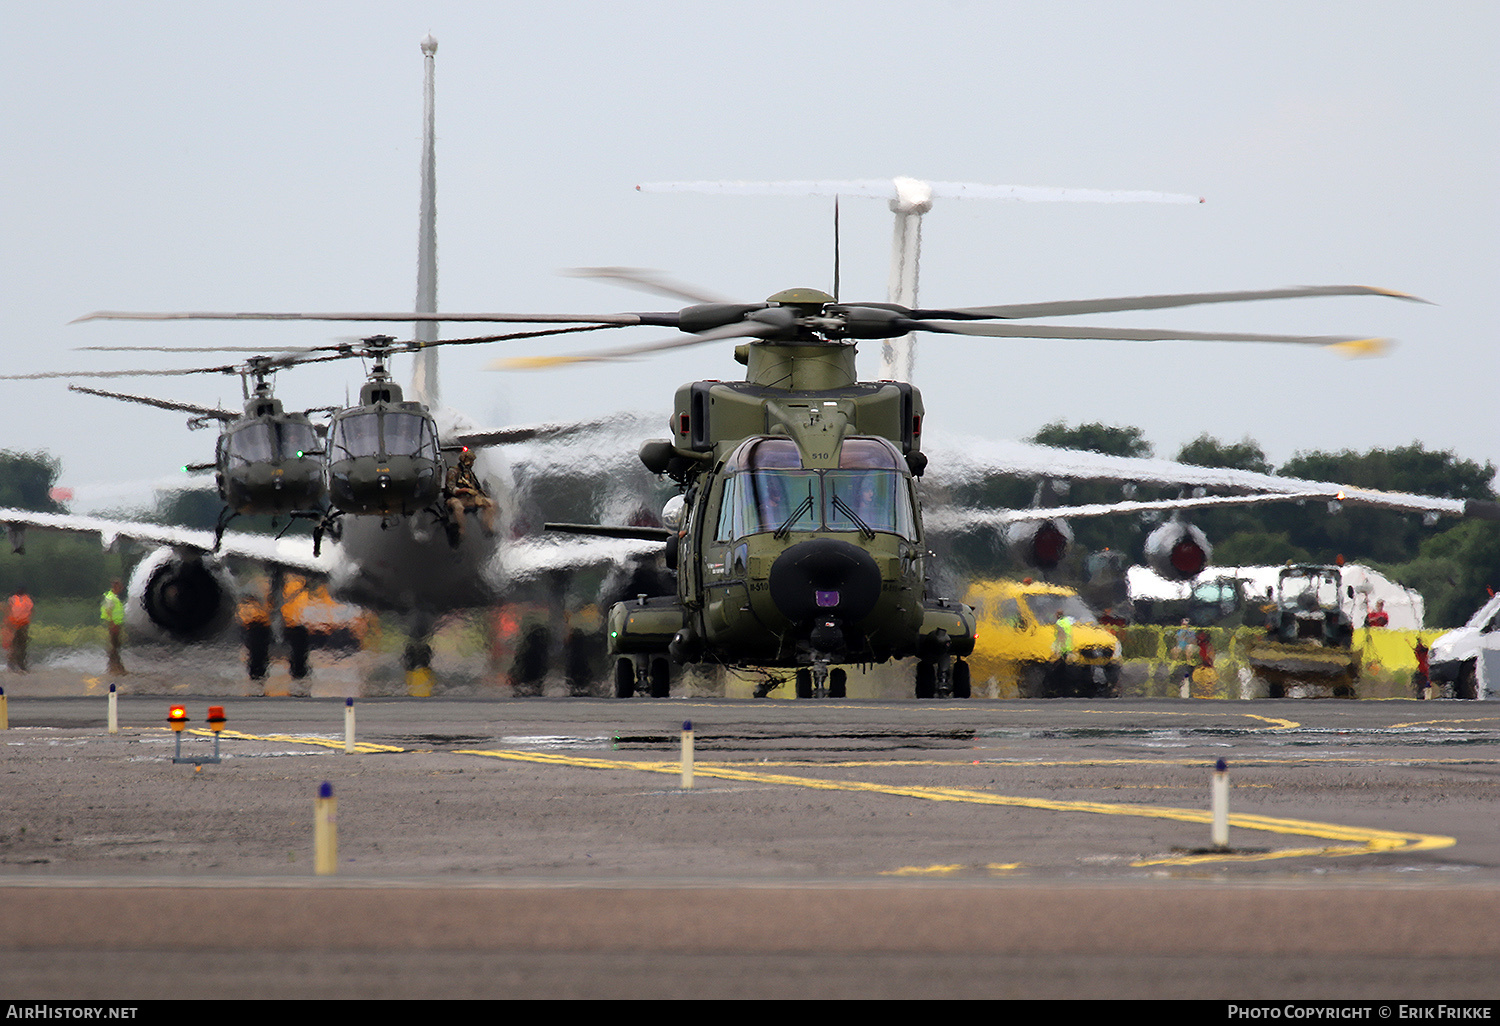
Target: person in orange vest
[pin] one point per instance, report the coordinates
(18, 629)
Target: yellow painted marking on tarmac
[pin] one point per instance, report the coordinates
(1276, 722)
(925, 870)
(300, 739)
(1362, 840)
(1446, 723)
(91, 682)
(996, 868)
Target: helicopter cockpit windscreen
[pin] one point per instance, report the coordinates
(409, 434)
(383, 433)
(269, 442)
(767, 490)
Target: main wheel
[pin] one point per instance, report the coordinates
(926, 679)
(661, 678)
(624, 678)
(1468, 682)
(838, 679)
(804, 683)
(960, 679)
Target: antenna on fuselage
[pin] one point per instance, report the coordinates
(424, 377)
(909, 199)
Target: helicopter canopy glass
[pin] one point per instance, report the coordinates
(268, 441)
(383, 433)
(766, 490)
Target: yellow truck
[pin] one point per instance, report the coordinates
(1040, 641)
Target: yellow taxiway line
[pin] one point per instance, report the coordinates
(1355, 840)
(1347, 840)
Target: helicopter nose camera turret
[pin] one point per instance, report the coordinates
(824, 578)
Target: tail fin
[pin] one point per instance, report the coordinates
(424, 380)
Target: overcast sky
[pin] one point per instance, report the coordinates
(194, 156)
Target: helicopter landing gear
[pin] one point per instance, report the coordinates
(327, 523)
(225, 516)
(649, 674)
(821, 681)
(939, 674)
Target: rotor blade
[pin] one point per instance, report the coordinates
(1351, 345)
(1068, 308)
(194, 349)
(886, 188)
(661, 320)
(179, 372)
(164, 404)
(531, 432)
(648, 281)
(740, 329)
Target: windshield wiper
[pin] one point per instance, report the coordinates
(786, 525)
(841, 506)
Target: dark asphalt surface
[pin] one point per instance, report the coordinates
(499, 847)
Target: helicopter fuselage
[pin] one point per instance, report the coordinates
(800, 543)
(270, 465)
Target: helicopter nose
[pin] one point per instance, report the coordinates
(825, 577)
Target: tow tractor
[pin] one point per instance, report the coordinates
(1309, 639)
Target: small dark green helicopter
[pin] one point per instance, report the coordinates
(267, 461)
(799, 543)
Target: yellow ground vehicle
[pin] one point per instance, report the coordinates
(1018, 654)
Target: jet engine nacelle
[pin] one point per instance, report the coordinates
(1040, 544)
(1178, 551)
(186, 596)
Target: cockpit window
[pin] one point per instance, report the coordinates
(383, 433)
(269, 441)
(761, 501)
(867, 499)
(767, 489)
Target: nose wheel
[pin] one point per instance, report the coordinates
(822, 681)
(651, 675)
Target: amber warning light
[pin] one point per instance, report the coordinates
(216, 718)
(177, 717)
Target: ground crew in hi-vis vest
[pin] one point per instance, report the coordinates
(112, 612)
(17, 629)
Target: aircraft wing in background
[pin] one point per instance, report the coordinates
(956, 462)
(289, 553)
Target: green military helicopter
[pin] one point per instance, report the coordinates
(267, 461)
(799, 543)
